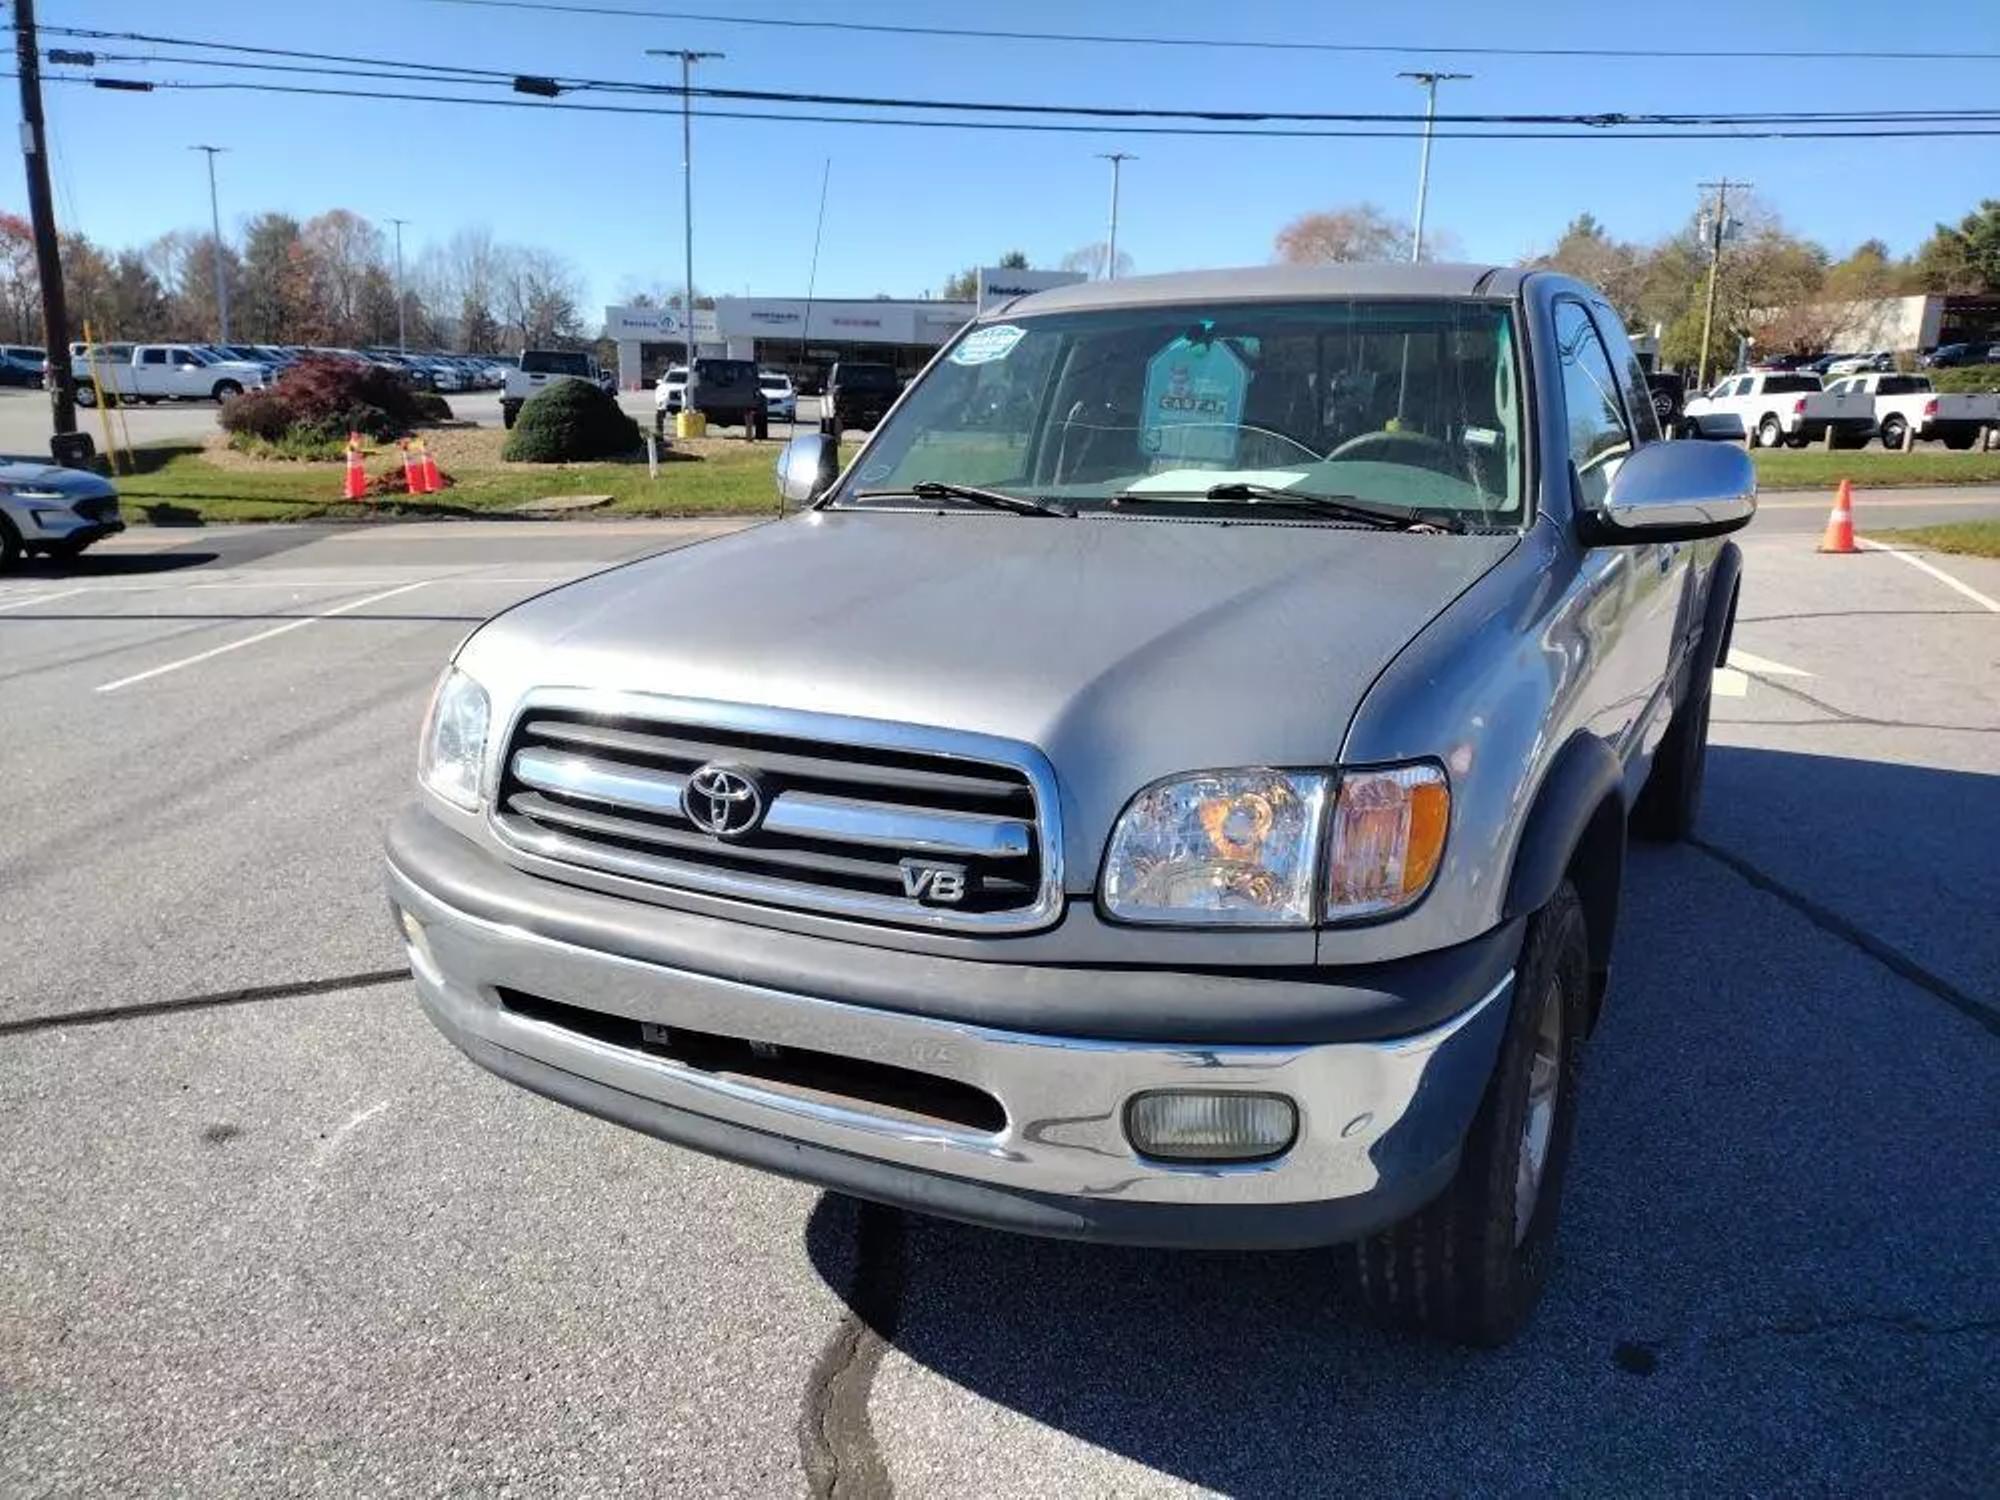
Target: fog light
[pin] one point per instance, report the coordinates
(1210, 1126)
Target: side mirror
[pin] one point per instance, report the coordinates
(1675, 492)
(807, 467)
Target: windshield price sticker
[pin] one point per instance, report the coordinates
(983, 346)
(1193, 402)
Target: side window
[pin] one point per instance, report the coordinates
(1638, 392)
(153, 357)
(1599, 438)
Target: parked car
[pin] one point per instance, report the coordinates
(725, 391)
(781, 401)
(54, 511)
(1907, 406)
(1770, 409)
(163, 372)
(1782, 362)
(859, 395)
(1004, 839)
(1826, 362)
(1856, 364)
(1952, 356)
(669, 391)
(538, 370)
(15, 370)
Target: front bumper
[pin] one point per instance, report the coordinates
(1380, 1121)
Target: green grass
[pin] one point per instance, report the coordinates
(1877, 468)
(1968, 538)
(177, 485)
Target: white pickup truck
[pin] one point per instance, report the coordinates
(1773, 407)
(1909, 406)
(162, 372)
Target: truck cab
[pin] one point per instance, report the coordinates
(1169, 786)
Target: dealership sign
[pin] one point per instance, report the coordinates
(656, 325)
(998, 284)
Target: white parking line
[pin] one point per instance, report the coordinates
(263, 635)
(1938, 573)
(42, 598)
(1738, 657)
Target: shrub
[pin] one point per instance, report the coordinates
(1967, 378)
(572, 419)
(258, 414)
(322, 399)
(432, 407)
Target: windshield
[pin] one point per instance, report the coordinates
(725, 372)
(1407, 404)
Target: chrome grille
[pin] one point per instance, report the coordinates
(851, 812)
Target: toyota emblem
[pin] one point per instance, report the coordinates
(723, 800)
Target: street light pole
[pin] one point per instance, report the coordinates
(215, 241)
(688, 60)
(1117, 160)
(1430, 81)
(402, 338)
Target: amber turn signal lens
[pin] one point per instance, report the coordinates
(1389, 828)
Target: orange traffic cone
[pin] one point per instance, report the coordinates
(1840, 525)
(413, 479)
(356, 487)
(429, 466)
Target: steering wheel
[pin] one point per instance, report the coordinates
(1418, 449)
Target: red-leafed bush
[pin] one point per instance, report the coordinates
(322, 399)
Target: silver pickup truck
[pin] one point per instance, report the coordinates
(1172, 787)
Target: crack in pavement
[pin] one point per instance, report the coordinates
(836, 1438)
(1845, 716)
(1856, 936)
(100, 1015)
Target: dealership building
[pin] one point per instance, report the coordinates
(807, 335)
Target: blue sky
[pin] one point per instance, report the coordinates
(908, 207)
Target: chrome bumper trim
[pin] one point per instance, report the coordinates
(1370, 1114)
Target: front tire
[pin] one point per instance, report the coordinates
(86, 395)
(1895, 431)
(1770, 434)
(10, 545)
(224, 389)
(1470, 1266)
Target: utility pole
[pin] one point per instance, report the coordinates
(1430, 81)
(688, 60)
(1117, 160)
(215, 229)
(402, 333)
(41, 209)
(1715, 233)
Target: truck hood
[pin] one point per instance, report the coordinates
(1126, 649)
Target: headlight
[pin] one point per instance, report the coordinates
(453, 748)
(1228, 847)
(1387, 839)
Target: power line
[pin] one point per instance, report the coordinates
(1748, 132)
(386, 69)
(1412, 49)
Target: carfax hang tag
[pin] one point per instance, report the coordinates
(983, 346)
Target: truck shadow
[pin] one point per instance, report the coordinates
(1758, 1277)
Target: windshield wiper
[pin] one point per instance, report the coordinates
(1334, 507)
(938, 489)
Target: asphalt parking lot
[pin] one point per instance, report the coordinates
(264, 1230)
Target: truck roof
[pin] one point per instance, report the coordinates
(1273, 284)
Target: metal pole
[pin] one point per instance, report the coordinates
(402, 340)
(1117, 160)
(812, 276)
(215, 243)
(688, 60)
(1430, 81)
(41, 209)
(1714, 268)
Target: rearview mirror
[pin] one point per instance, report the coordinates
(807, 467)
(1675, 492)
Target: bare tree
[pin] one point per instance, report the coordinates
(1360, 231)
(1089, 259)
